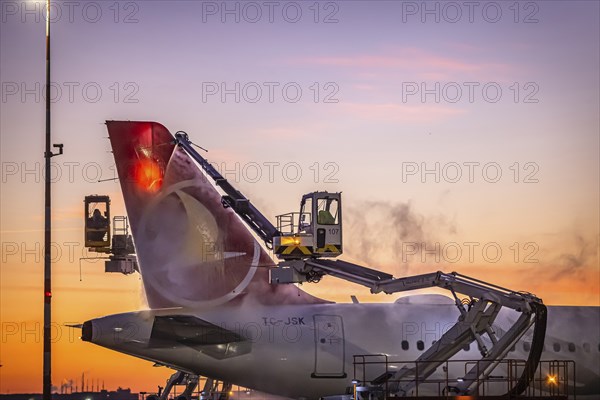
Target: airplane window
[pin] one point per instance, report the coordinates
(526, 346)
(556, 347)
(512, 348)
(586, 347)
(467, 347)
(571, 347)
(420, 345)
(404, 345)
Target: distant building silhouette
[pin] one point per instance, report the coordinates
(119, 394)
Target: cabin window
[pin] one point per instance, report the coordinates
(420, 345)
(327, 211)
(405, 345)
(526, 346)
(467, 347)
(571, 347)
(556, 347)
(586, 347)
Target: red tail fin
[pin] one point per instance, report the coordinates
(192, 251)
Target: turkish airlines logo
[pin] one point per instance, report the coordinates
(187, 257)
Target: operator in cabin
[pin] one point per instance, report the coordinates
(99, 223)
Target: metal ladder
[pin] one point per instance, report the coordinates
(212, 390)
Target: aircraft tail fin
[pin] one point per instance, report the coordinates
(191, 250)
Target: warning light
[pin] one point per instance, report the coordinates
(552, 380)
(148, 175)
(48, 294)
(290, 241)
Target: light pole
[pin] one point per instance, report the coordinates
(47, 375)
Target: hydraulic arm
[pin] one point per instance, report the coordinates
(233, 198)
(475, 320)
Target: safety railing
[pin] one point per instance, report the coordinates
(372, 373)
(292, 222)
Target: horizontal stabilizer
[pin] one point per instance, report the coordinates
(190, 330)
(184, 330)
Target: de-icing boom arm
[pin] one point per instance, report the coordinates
(233, 198)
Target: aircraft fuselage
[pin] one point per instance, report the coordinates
(308, 350)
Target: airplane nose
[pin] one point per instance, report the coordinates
(86, 331)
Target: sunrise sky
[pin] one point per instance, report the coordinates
(471, 130)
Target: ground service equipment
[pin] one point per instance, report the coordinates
(116, 245)
(307, 242)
